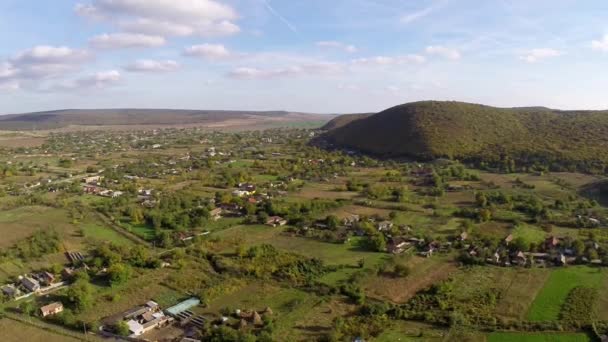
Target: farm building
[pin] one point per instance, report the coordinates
(31, 284)
(51, 309)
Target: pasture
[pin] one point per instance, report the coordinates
(548, 303)
(14, 331)
(537, 337)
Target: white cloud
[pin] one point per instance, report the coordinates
(43, 61)
(100, 79)
(536, 55)
(97, 80)
(302, 67)
(168, 28)
(7, 71)
(317, 68)
(247, 73)
(126, 40)
(50, 55)
(337, 45)
(385, 60)
(443, 51)
(148, 65)
(349, 87)
(322, 68)
(10, 85)
(209, 51)
(392, 89)
(165, 17)
(600, 45)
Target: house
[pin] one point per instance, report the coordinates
(68, 273)
(551, 242)
(75, 257)
(463, 236)
(91, 189)
(240, 193)
(520, 258)
(274, 221)
(51, 309)
(31, 284)
(496, 258)
(216, 214)
(10, 291)
(231, 208)
(250, 188)
(508, 239)
(561, 260)
(397, 245)
(149, 203)
(428, 251)
(385, 225)
(46, 278)
(351, 220)
(455, 187)
(92, 180)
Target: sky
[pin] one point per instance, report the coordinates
(338, 56)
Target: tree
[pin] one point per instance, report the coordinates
(579, 247)
(250, 209)
(27, 308)
(332, 222)
(136, 214)
(485, 215)
(121, 328)
(520, 244)
(378, 242)
(119, 274)
(481, 200)
(262, 217)
(402, 270)
(80, 294)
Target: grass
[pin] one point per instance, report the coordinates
(288, 305)
(537, 337)
(20, 223)
(424, 272)
(13, 331)
(142, 230)
(347, 254)
(548, 303)
(529, 233)
(96, 232)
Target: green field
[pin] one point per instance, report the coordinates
(548, 303)
(537, 337)
(529, 233)
(97, 232)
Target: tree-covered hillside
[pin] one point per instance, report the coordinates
(559, 140)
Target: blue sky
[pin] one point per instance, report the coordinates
(301, 55)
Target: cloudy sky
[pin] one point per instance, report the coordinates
(301, 55)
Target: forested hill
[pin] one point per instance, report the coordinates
(561, 140)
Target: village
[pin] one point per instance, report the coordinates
(183, 235)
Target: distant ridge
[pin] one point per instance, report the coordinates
(344, 120)
(107, 117)
(431, 129)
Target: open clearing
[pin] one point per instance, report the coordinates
(540, 337)
(13, 331)
(548, 303)
(424, 273)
